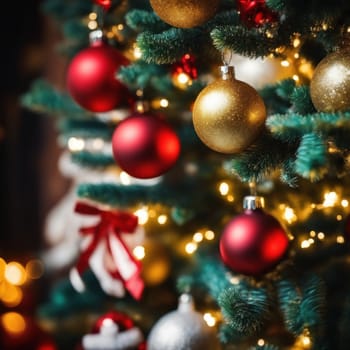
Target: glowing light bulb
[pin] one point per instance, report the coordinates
(164, 103)
(209, 319)
(289, 215)
(139, 252)
(261, 342)
(15, 273)
(330, 198)
(344, 203)
(142, 215)
(198, 237)
(340, 239)
(321, 236)
(224, 188)
(162, 219)
(191, 247)
(76, 144)
(92, 16)
(305, 244)
(13, 323)
(137, 52)
(209, 235)
(285, 63)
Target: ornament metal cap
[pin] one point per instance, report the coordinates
(96, 36)
(186, 303)
(227, 72)
(253, 202)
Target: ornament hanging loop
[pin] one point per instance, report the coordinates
(226, 57)
(227, 71)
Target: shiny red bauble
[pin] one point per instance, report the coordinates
(253, 242)
(145, 146)
(255, 13)
(91, 78)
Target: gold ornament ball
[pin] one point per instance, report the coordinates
(185, 13)
(228, 114)
(155, 264)
(330, 84)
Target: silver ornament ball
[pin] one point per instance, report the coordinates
(183, 329)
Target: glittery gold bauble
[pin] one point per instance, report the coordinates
(228, 114)
(183, 329)
(330, 84)
(185, 13)
(155, 264)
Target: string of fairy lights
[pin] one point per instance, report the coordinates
(14, 277)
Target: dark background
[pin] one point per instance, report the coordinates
(29, 180)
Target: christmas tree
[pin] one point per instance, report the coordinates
(207, 143)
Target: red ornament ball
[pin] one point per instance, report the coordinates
(91, 78)
(253, 243)
(145, 146)
(105, 4)
(255, 13)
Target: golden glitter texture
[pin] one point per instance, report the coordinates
(185, 13)
(228, 114)
(330, 84)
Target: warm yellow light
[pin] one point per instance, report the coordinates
(261, 342)
(312, 233)
(339, 217)
(209, 235)
(321, 235)
(2, 269)
(224, 188)
(139, 252)
(209, 319)
(330, 198)
(137, 52)
(191, 247)
(311, 241)
(306, 341)
(340, 239)
(198, 237)
(296, 77)
(15, 273)
(34, 269)
(76, 144)
(296, 42)
(142, 215)
(11, 295)
(120, 26)
(164, 103)
(162, 219)
(285, 63)
(344, 203)
(305, 244)
(324, 26)
(92, 25)
(296, 55)
(234, 280)
(230, 198)
(183, 79)
(289, 215)
(92, 16)
(13, 323)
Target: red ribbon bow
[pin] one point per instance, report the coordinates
(109, 228)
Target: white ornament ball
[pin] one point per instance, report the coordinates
(183, 329)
